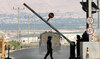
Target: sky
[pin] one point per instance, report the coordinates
(42, 6)
(61, 8)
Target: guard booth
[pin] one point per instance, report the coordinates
(2, 46)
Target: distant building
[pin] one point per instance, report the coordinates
(26, 40)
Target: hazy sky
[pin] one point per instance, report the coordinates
(42, 6)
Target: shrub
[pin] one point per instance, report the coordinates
(14, 44)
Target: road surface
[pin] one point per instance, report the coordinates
(33, 53)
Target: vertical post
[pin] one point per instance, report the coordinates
(89, 8)
(87, 25)
(28, 29)
(34, 30)
(98, 15)
(18, 21)
(98, 21)
(2, 56)
(78, 48)
(8, 51)
(28, 24)
(18, 26)
(82, 0)
(89, 14)
(72, 51)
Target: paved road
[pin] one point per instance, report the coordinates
(33, 53)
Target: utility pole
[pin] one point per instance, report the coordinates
(98, 15)
(34, 29)
(18, 9)
(28, 29)
(28, 17)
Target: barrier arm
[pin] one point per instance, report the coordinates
(47, 23)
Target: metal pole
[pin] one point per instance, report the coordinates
(18, 20)
(89, 15)
(28, 17)
(28, 29)
(47, 23)
(72, 51)
(34, 29)
(87, 25)
(18, 25)
(8, 51)
(82, 0)
(90, 8)
(98, 15)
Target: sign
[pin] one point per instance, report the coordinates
(90, 20)
(90, 31)
(51, 15)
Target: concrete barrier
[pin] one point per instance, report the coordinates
(94, 50)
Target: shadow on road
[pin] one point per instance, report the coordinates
(33, 53)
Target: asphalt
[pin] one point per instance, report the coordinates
(33, 53)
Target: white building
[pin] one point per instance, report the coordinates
(26, 40)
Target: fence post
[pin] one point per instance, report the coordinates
(72, 51)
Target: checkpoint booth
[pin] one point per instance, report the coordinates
(2, 45)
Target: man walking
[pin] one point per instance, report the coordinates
(49, 48)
